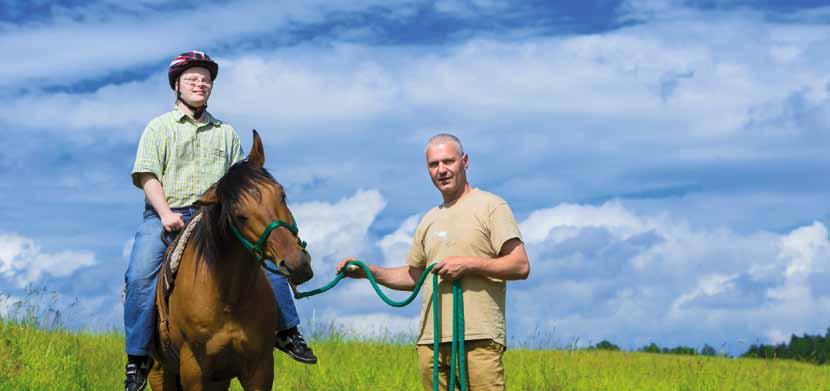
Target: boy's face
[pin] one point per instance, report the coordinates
(195, 86)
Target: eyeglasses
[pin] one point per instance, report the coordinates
(191, 82)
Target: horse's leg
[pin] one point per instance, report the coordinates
(190, 372)
(192, 376)
(161, 380)
(261, 375)
(156, 378)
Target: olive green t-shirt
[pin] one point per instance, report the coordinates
(477, 225)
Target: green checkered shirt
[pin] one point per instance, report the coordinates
(187, 158)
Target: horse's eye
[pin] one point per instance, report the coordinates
(241, 218)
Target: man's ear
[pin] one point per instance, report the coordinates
(208, 198)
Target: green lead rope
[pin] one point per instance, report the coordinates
(457, 360)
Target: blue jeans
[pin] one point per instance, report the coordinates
(145, 263)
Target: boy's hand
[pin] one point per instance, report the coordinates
(172, 221)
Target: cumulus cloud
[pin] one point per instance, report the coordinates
(471, 8)
(23, 262)
(105, 113)
(608, 272)
(346, 84)
(726, 102)
(337, 229)
(655, 76)
(104, 42)
(378, 325)
(615, 274)
(395, 246)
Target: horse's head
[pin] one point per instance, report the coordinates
(249, 204)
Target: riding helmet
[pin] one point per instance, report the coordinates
(191, 59)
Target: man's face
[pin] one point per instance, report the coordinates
(447, 168)
(195, 86)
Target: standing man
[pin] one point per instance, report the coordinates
(180, 155)
(472, 236)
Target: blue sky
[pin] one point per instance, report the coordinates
(666, 159)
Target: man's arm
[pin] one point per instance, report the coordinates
(155, 194)
(401, 278)
(511, 264)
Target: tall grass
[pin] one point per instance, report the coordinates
(35, 359)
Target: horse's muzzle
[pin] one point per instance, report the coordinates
(300, 267)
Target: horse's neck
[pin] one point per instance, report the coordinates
(233, 274)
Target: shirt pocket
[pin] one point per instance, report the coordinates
(219, 153)
(216, 165)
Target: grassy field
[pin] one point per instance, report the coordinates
(32, 359)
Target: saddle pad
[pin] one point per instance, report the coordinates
(173, 255)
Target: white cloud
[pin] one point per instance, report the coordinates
(303, 86)
(802, 247)
(469, 9)
(654, 81)
(395, 246)
(23, 262)
(103, 42)
(805, 251)
(375, 325)
(116, 111)
(335, 230)
(612, 273)
(662, 280)
(552, 117)
(541, 223)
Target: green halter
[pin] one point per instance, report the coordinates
(259, 248)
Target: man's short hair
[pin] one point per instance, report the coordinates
(444, 138)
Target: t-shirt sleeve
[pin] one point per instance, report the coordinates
(503, 226)
(417, 257)
(150, 155)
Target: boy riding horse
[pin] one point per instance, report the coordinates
(180, 155)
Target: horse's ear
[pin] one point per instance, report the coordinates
(257, 155)
(209, 197)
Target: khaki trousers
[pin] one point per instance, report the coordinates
(485, 368)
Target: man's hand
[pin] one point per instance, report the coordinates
(172, 221)
(351, 272)
(454, 268)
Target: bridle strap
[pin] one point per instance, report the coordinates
(259, 247)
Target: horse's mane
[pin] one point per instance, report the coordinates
(213, 236)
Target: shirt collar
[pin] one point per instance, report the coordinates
(180, 116)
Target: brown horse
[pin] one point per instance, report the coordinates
(221, 315)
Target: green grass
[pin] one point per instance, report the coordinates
(33, 359)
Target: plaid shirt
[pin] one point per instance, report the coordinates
(187, 158)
